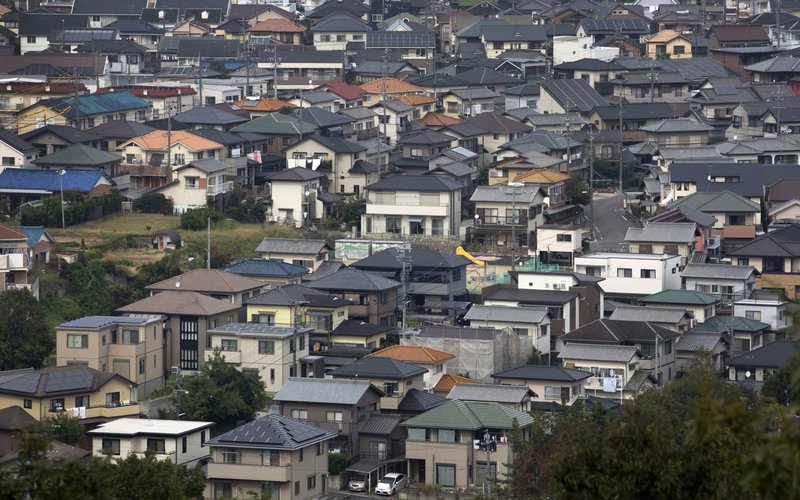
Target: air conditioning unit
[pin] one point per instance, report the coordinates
(559, 286)
(175, 370)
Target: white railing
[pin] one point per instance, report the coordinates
(220, 188)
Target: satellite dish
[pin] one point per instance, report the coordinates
(747, 374)
(177, 284)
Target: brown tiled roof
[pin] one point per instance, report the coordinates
(541, 176)
(393, 86)
(264, 104)
(278, 26)
(434, 119)
(173, 302)
(416, 99)
(447, 382)
(414, 354)
(157, 141)
(664, 36)
(740, 33)
(9, 233)
(344, 90)
(208, 281)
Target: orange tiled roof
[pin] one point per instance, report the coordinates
(264, 104)
(416, 99)
(541, 176)
(413, 354)
(157, 141)
(448, 381)
(393, 86)
(9, 233)
(434, 119)
(278, 26)
(663, 36)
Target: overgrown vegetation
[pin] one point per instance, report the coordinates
(196, 219)
(154, 203)
(25, 339)
(78, 208)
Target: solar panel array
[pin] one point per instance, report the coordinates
(69, 381)
(26, 383)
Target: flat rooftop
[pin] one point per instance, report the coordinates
(146, 426)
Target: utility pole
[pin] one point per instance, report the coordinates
(383, 113)
(169, 144)
(591, 183)
(653, 79)
(75, 99)
(778, 22)
(275, 61)
(405, 260)
(568, 121)
(208, 263)
(621, 142)
(514, 186)
(247, 68)
(200, 77)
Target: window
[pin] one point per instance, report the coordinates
(77, 341)
(300, 455)
(81, 401)
(192, 182)
(57, 404)
(128, 337)
(645, 248)
(300, 414)
(157, 445)
(271, 457)
(320, 449)
(678, 49)
(8, 161)
(184, 444)
(287, 141)
(223, 490)
(668, 347)
(31, 39)
(421, 52)
(334, 416)
(230, 455)
(111, 446)
(312, 482)
(297, 487)
(564, 237)
(736, 220)
(446, 474)
(340, 38)
(754, 315)
(266, 347)
(416, 434)
(624, 273)
(229, 345)
(457, 275)
(265, 318)
(292, 345)
(133, 59)
(647, 273)
(553, 393)
(447, 436)
(202, 438)
(393, 225)
(112, 398)
(384, 297)
(301, 343)
(179, 159)
(743, 261)
(27, 403)
(522, 332)
(141, 365)
(390, 388)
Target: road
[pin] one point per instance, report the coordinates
(610, 223)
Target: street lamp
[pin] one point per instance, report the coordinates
(475, 226)
(61, 174)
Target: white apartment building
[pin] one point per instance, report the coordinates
(632, 274)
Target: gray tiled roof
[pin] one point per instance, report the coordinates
(273, 431)
(722, 201)
(592, 352)
(608, 331)
(577, 95)
(722, 271)
(322, 391)
(503, 194)
(662, 232)
(543, 372)
(651, 314)
(769, 356)
(534, 315)
(419, 401)
(425, 183)
(491, 393)
(674, 125)
(380, 424)
(692, 341)
(291, 246)
(379, 367)
(355, 280)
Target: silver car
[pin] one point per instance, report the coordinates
(358, 483)
(391, 484)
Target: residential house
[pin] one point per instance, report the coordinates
(758, 364)
(497, 39)
(634, 118)
(16, 95)
(683, 132)
(194, 182)
(309, 253)
(124, 437)
(725, 36)
(594, 71)
(693, 347)
(417, 46)
(215, 283)
(357, 334)
(516, 397)
(566, 96)
(130, 347)
(381, 439)
(731, 210)
(701, 305)
(633, 29)
(525, 96)
(285, 457)
(189, 316)
(339, 406)
(496, 130)
(390, 87)
(21, 184)
(631, 275)
(335, 31)
(431, 277)
(16, 152)
(666, 238)
(776, 258)
(274, 273)
(553, 384)
(419, 147)
(433, 360)
(558, 242)
(351, 95)
(670, 86)
(727, 282)
(37, 27)
(88, 394)
(469, 102)
(669, 43)
(615, 369)
(746, 179)
(683, 18)
(420, 104)
(479, 351)
(440, 444)
(117, 132)
(412, 205)
(741, 335)
(281, 29)
(51, 138)
(785, 213)
(678, 320)
(395, 118)
(530, 321)
(84, 111)
(209, 117)
(296, 196)
(14, 258)
(444, 386)
(393, 376)
(13, 422)
(371, 69)
(295, 67)
(40, 243)
(294, 305)
(81, 156)
(767, 306)
(374, 298)
(274, 353)
(506, 213)
(282, 131)
(332, 156)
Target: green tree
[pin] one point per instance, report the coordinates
(196, 219)
(25, 340)
(148, 477)
(778, 385)
(535, 358)
(154, 203)
(222, 394)
(65, 428)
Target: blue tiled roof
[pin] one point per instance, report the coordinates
(83, 180)
(265, 267)
(93, 104)
(34, 234)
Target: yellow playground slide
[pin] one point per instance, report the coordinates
(460, 251)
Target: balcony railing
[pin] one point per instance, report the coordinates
(220, 188)
(495, 220)
(110, 410)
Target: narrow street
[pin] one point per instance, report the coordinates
(611, 223)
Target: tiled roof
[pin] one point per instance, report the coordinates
(354, 279)
(662, 232)
(416, 99)
(390, 86)
(208, 281)
(500, 193)
(414, 354)
(325, 391)
(293, 294)
(595, 352)
(781, 242)
(470, 415)
(380, 424)
(9, 233)
(649, 314)
(722, 201)
(722, 271)
(726, 324)
(530, 315)
(158, 141)
(664, 36)
(448, 381)
(104, 321)
(291, 246)
(674, 125)
(418, 401)
(740, 33)
(208, 116)
(267, 104)
(380, 368)
(769, 356)
(54, 381)
(391, 259)
(82, 180)
(298, 174)
(34, 234)
(607, 331)
(174, 302)
(341, 22)
(344, 90)
(496, 393)
(273, 432)
(276, 124)
(265, 267)
(543, 372)
(542, 176)
(682, 297)
(434, 119)
(574, 95)
(278, 26)
(692, 341)
(415, 183)
(94, 104)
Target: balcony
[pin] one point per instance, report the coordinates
(231, 357)
(14, 262)
(493, 222)
(409, 209)
(245, 472)
(370, 133)
(219, 188)
(596, 384)
(104, 411)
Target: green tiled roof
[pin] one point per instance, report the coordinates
(276, 124)
(469, 415)
(679, 297)
(720, 324)
(79, 155)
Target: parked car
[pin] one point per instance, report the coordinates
(358, 483)
(391, 484)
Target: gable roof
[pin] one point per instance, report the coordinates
(291, 246)
(207, 281)
(662, 232)
(391, 258)
(494, 123)
(264, 267)
(722, 201)
(109, 7)
(769, 356)
(529, 315)
(13, 140)
(35, 234)
(122, 129)
(421, 183)
(682, 297)
(278, 26)
(355, 280)
(208, 47)
(636, 111)
(608, 331)
(648, 314)
(470, 415)
(276, 124)
(573, 95)
(206, 115)
(160, 140)
(292, 294)
(273, 431)
(594, 352)
(497, 393)
(79, 155)
(509, 33)
(723, 271)
(447, 381)
(674, 125)
(781, 242)
(74, 179)
(14, 418)
(340, 22)
(294, 174)
(740, 33)
(389, 85)
(11, 233)
(500, 193)
(94, 104)
(418, 401)
(379, 367)
(325, 391)
(414, 354)
(54, 381)
(173, 302)
(543, 372)
(665, 36)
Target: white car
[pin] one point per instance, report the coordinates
(391, 484)
(357, 483)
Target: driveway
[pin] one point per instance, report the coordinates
(611, 223)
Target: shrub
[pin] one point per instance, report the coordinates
(154, 203)
(196, 219)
